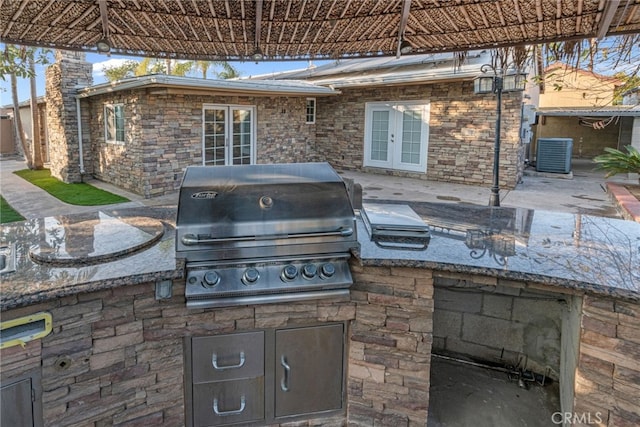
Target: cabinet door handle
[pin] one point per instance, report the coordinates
(284, 382)
(214, 362)
(233, 411)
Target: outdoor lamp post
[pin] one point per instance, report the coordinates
(500, 81)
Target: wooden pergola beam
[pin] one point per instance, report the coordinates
(404, 17)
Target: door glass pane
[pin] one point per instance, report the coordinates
(380, 135)
(241, 138)
(411, 132)
(214, 136)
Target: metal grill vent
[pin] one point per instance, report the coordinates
(554, 155)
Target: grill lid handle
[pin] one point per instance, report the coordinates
(192, 239)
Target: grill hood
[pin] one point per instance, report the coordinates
(230, 212)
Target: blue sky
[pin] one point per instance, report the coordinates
(99, 61)
(606, 66)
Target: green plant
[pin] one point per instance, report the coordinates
(7, 213)
(615, 161)
(81, 194)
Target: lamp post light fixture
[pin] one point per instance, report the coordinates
(500, 81)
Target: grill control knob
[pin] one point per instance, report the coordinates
(211, 279)
(289, 272)
(309, 271)
(327, 270)
(250, 276)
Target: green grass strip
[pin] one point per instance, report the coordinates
(7, 213)
(80, 194)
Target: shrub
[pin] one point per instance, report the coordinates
(615, 161)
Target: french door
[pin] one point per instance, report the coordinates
(228, 135)
(396, 135)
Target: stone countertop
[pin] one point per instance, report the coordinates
(64, 255)
(579, 252)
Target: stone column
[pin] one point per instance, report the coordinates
(64, 77)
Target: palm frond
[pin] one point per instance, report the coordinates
(615, 161)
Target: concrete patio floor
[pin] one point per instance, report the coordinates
(584, 193)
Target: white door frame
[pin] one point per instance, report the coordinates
(229, 135)
(397, 157)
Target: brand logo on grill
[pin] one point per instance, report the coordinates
(204, 195)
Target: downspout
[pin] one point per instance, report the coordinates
(80, 152)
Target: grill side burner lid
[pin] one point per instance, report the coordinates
(395, 226)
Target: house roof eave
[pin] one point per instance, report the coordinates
(373, 81)
(283, 88)
(622, 110)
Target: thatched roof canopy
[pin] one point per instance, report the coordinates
(301, 29)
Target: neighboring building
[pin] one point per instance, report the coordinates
(416, 116)
(579, 104)
(413, 116)
(8, 142)
(565, 86)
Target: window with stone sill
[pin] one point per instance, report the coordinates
(114, 123)
(311, 110)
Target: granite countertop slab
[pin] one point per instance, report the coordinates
(51, 257)
(588, 253)
(66, 255)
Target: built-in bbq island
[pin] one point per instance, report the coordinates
(96, 328)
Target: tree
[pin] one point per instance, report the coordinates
(119, 72)
(20, 61)
(148, 66)
(182, 68)
(36, 154)
(619, 53)
(228, 70)
(630, 82)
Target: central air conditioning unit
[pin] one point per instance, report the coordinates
(554, 155)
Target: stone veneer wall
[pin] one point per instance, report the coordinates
(116, 357)
(607, 390)
(164, 135)
(390, 346)
(461, 131)
(63, 78)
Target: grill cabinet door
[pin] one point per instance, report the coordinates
(16, 404)
(309, 370)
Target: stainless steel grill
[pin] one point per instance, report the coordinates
(264, 233)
